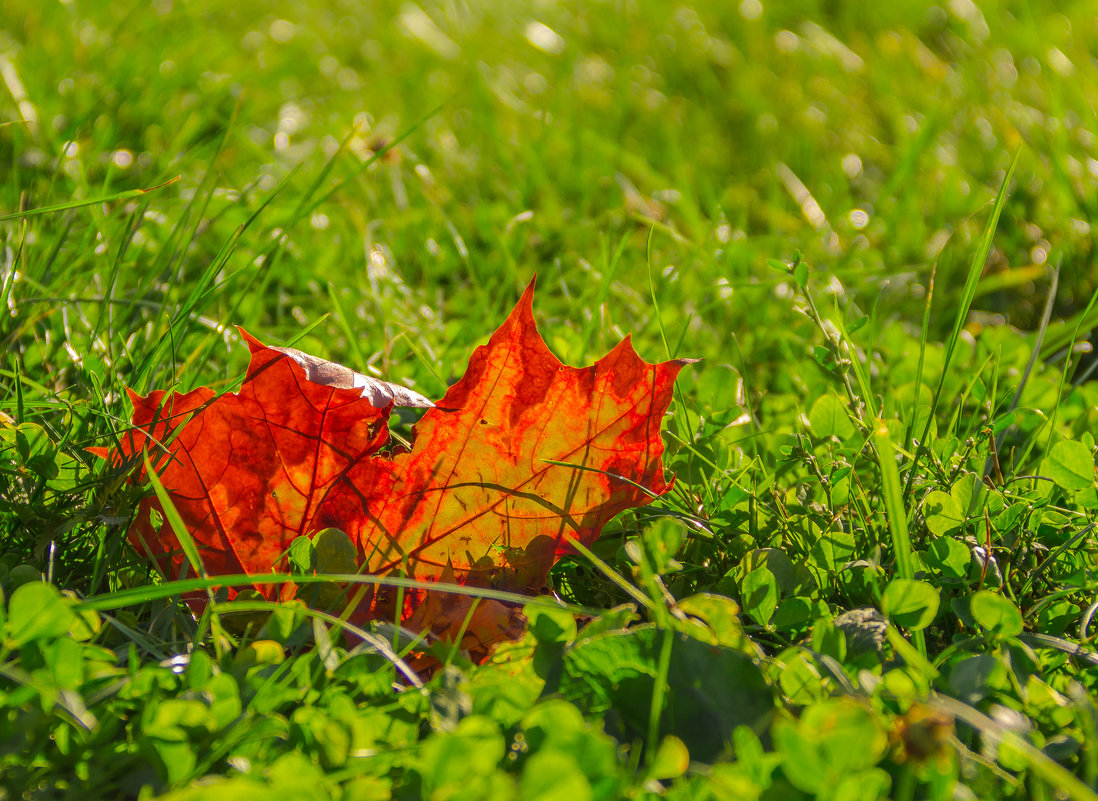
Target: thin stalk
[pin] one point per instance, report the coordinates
(975, 269)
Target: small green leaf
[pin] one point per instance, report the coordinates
(858, 324)
(328, 738)
(829, 418)
(550, 626)
(830, 741)
(284, 622)
(752, 757)
(949, 556)
(867, 785)
(260, 652)
(996, 613)
(760, 594)
(23, 574)
(65, 659)
(1003, 422)
(43, 465)
(335, 553)
(833, 549)
(671, 760)
(720, 616)
(464, 759)
(795, 612)
(910, 603)
(302, 555)
(790, 577)
(974, 678)
(963, 488)
(800, 678)
(800, 274)
(37, 611)
(553, 775)
(711, 689)
(172, 751)
(295, 776)
(942, 512)
(1070, 464)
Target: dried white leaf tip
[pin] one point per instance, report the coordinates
(379, 393)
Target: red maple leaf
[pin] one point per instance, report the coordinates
(522, 457)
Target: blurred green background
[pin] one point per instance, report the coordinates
(596, 144)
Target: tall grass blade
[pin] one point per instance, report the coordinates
(897, 516)
(76, 204)
(179, 528)
(968, 293)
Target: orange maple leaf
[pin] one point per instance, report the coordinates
(522, 457)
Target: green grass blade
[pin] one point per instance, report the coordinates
(974, 271)
(76, 204)
(179, 528)
(897, 516)
(138, 595)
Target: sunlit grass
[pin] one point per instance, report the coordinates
(376, 183)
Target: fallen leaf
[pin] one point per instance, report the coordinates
(247, 471)
(521, 458)
(476, 624)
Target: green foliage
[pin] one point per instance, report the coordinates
(910, 603)
(832, 751)
(1070, 464)
(875, 575)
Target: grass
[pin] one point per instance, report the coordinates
(377, 185)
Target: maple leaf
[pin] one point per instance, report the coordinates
(522, 457)
(247, 471)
